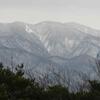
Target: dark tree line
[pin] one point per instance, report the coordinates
(14, 86)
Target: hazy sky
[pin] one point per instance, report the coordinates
(86, 12)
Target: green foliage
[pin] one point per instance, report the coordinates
(14, 86)
(57, 93)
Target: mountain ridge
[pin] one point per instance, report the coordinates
(48, 43)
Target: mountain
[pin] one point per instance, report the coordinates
(24, 47)
(46, 44)
(67, 40)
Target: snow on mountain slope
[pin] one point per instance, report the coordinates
(84, 28)
(66, 40)
(49, 43)
(25, 48)
(17, 37)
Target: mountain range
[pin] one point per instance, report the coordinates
(49, 44)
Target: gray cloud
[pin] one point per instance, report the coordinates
(83, 11)
(51, 3)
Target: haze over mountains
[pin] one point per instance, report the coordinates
(46, 44)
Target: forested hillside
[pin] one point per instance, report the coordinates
(14, 86)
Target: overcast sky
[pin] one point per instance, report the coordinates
(86, 12)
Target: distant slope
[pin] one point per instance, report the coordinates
(47, 44)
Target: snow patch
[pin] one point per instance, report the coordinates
(46, 44)
(69, 42)
(49, 49)
(28, 29)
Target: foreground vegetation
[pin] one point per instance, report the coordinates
(14, 86)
